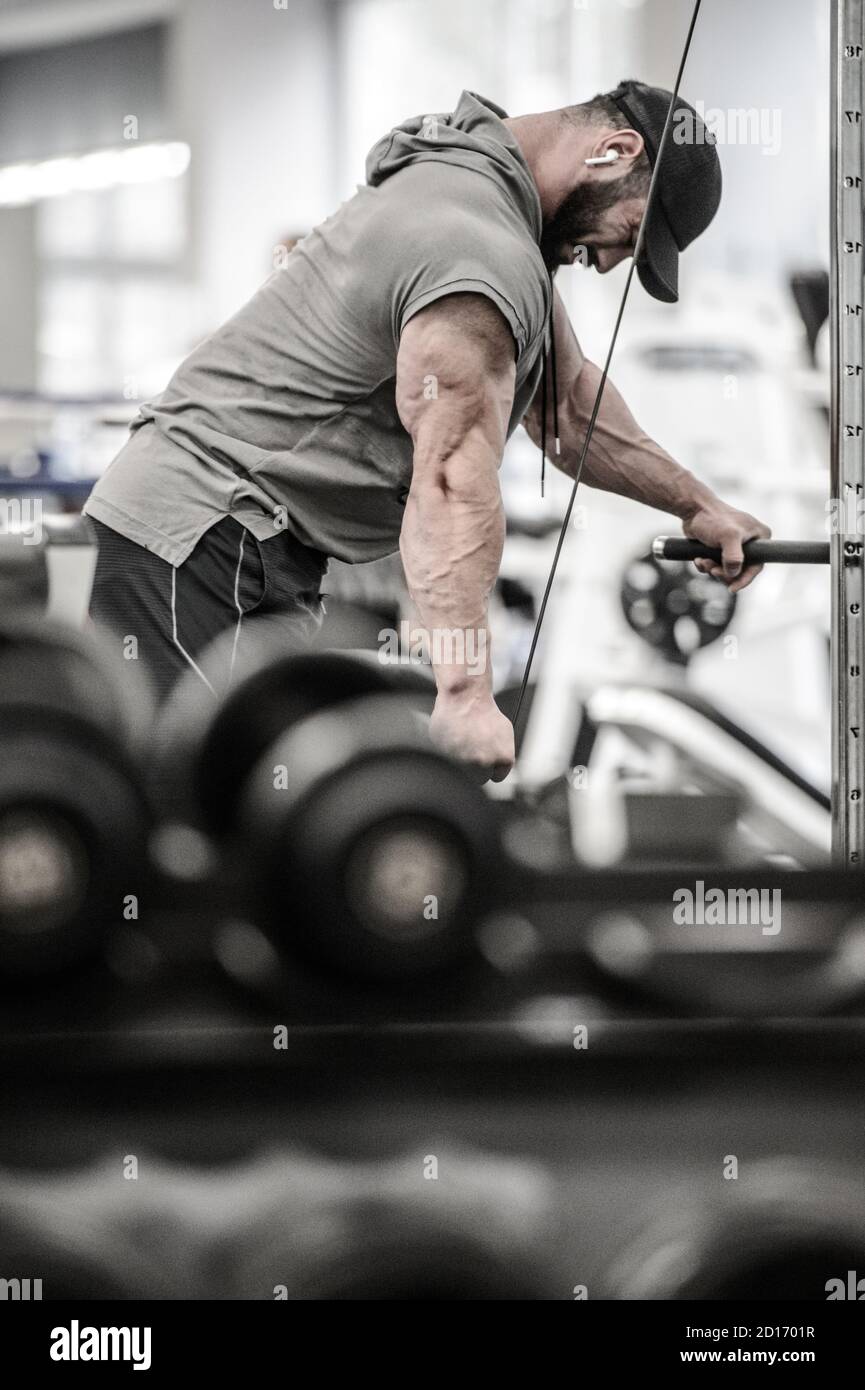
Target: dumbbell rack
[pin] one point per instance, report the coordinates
(848, 430)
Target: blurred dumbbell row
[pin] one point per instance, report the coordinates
(345, 822)
(457, 1223)
(300, 826)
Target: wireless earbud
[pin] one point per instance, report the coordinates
(609, 158)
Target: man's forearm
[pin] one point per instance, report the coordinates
(451, 546)
(622, 458)
(453, 527)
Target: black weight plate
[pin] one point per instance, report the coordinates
(78, 824)
(23, 574)
(674, 607)
(207, 745)
(367, 786)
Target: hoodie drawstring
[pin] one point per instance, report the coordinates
(552, 363)
(543, 415)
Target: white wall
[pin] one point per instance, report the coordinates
(251, 90)
(772, 55)
(18, 297)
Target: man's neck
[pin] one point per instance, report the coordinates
(552, 148)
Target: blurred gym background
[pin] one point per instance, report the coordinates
(158, 159)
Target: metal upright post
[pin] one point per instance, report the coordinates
(848, 423)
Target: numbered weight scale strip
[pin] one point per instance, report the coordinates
(848, 431)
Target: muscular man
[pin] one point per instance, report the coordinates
(362, 399)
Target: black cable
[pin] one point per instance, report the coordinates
(543, 414)
(558, 446)
(638, 246)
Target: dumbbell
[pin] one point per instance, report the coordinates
(480, 1237)
(23, 572)
(206, 744)
(24, 565)
(87, 1233)
(253, 1230)
(73, 814)
(791, 1230)
(359, 844)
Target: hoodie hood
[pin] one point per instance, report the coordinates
(472, 135)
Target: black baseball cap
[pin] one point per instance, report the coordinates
(688, 190)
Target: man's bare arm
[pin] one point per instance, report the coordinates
(454, 393)
(623, 459)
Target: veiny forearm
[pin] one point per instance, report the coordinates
(453, 526)
(621, 458)
(451, 546)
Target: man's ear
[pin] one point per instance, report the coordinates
(627, 145)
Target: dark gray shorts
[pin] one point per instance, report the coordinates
(174, 613)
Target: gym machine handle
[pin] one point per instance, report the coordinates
(756, 552)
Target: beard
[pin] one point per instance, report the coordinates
(578, 215)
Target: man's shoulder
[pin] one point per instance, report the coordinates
(457, 190)
(452, 204)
